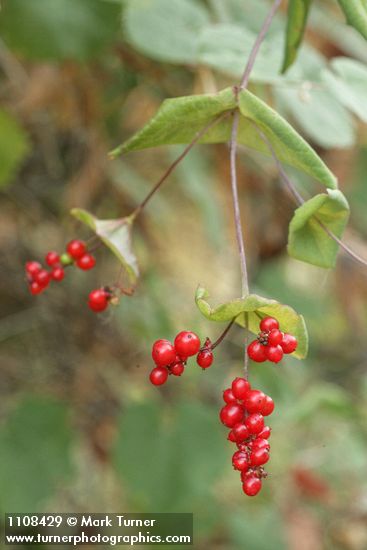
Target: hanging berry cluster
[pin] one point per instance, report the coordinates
(77, 254)
(172, 358)
(271, 344)
(244, 413)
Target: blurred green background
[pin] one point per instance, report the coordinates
(81, 427)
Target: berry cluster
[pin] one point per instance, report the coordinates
(39, 278)
(244, 413)
(271, 344)
(171, 358)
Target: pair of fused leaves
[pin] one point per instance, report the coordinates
(355, 12)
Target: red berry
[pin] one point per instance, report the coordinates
(205, 359)
(254, 423)
(267, 407)
(35, 288)
(177, 369)
(240, 461)
(240, 432)
(163, 353)
(52, 258)
(254, 401)
(187, 343)
(158, 376)
(228, 396)
(57, 274)
(251, 486)
(231, 414)
(265, 433)
(231, 437)
(242, 446)
(85, 262)
(42, 277)
(260, 443)
(274, 353)
(258, 457)
(268, 323)
(76, 248)
(256, 352)
(98, 300)
(240, 388)
(275, 337)
(289, 343)
(32, 268)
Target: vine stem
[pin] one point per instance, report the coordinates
(223, 335)
(170, 169)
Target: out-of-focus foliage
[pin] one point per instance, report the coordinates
(81, 427)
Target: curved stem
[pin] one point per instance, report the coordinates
(223, 335)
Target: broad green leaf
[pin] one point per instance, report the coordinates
(14, 146)
(296, 24)
(290, 147)
(116, 235)
(356, 13)
(248, 312)
(165, 30)
(35, 454)
(319, 115)
(348, 83)
(179, 120)
(307, 240)
(61, 29)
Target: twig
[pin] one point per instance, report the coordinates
(223, 335)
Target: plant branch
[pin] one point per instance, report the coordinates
(170, 169)
(223, 335)
(256, 47)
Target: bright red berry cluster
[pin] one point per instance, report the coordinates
(172, 358)
(244, 413)
(272, 343)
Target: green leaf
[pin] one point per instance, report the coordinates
(35, 454)
(179, 120)
(75, 29)
(249, 310)
(290, 147)
(14, 146)
(348, 83)
(356, 13)
(165, 30)
(116, 235)
(297, 18)
(307, 240)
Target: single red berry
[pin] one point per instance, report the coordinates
(256, 352)
(32, 268)
(254, 401)
(268, 406)
(76, 248)
(289, 343)
(98, 300)
(187, 343)
(231, 414)
(177, 369)
(265, 433)
(258, 457)
(240, 461)
(240, 432)
(251, 486)
(274, 353)
(158, 376)
(240, 388)
(52, 258)
(275, 337)
(57, 274)
(242, 446)
(231, 437)
(260, 443)
(163, 353)
(35, 288)
(85, 262)
(205, 359)
(228, 396)
(42, 277)
(268, 323)
(254, 423)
